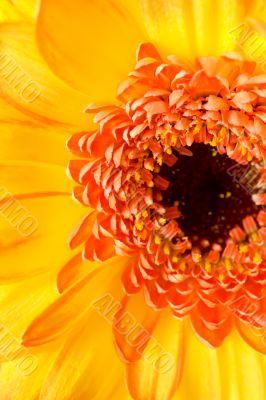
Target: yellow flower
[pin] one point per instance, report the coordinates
(57, 308)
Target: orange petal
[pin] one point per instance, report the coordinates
(211, 325)
(133, 325)
(73, 271)
(82, 231)
(99, 250)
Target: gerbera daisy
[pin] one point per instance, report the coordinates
(160, 291)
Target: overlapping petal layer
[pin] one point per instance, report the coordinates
(165, 108)
(30, 87)
(184, 28)
(32, 157)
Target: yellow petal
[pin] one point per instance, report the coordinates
(193, 28)
(26, 177)
(201, 378)
(23, 301)
(29, 141)
(74, 303)
(156, 375)
(20, 303)
(79, 368)
(35, 223)
(243, 370)
(90, 44)
(259, 10)
(250, 40)
(17, 383)
(30, 87)
(17, 10)
(233, 371)
(186, 28)
(254, 337)
(64, 369)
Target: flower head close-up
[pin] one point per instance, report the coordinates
(133, 200)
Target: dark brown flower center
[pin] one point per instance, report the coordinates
(213, 193)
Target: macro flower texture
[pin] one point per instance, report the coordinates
(133, 200)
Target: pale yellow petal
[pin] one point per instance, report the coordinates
(17, 10)
(37, 215)
(27, 84)
(29, 141)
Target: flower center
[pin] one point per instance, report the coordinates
(211, 198)
(176, 176)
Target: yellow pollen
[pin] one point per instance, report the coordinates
(257, 258)
(243, 248)
(150, 167)
(214, 153)
(137, 176)
(213, 142)
(208, 266)
(173, 140)
(221, 195)
(146, 146)
(169, 151)
(222, 133)
(150, 184)
(166, 249)
(228, 194)
(196, 129)
(221, 277)
(157, 240)
(160, 160)
(145, 213)
(139, 225)
(243, 151)
(175, 259)
(249, 157)
(162, 221)
(254, 236)
(228, 264)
